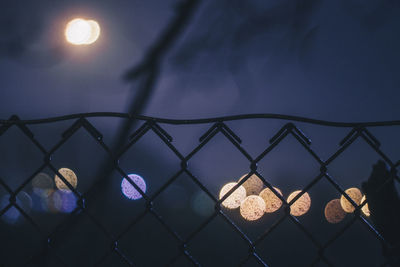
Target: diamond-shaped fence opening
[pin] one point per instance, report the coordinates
(68, 199)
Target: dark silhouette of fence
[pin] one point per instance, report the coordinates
(49, 251)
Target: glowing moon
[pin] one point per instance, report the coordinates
(82, 32)
(233, 200)
(272, 202)
(365, 208)
(129, 190)
(69, 175)
(253, 184)
(252, 208)
(301, 205)
(355, 194)
(95, 32)
(334, 212)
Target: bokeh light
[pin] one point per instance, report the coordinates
(69, 175)
(202, 204)
(252, 208)
(233, 200)
(301, 205)
(334, 212)
(13, 215)
(272, 202)
(41, 183)
(365, 208)
(82, 32)
(355, 194)
(129, 190)
(63, 201)
(47, 201)
(253, 184)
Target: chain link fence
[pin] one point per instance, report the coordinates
(178, 218)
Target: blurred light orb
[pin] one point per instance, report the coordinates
(252, 208)
(202, 204)
(234, 200)
(253, 184)
(129, 190)
(13, 215)
(272, 202)
(95, 32)
(42, 182)
(69, 175)
(63, 201)
(365, 208)
(334, 212)
(301, 206)
(46, 203)
(82, 32)
(355, 194)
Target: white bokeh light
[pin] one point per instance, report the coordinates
(233, 200)
(252, 208)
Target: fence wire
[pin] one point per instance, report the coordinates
(50, 252)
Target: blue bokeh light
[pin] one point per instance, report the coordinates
(129, 190)
(13, 215)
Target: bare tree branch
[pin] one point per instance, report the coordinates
(146, 73)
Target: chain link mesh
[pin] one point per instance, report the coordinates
(57, 242)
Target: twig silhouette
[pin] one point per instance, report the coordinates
(146, 73)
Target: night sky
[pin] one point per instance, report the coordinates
(329, 60)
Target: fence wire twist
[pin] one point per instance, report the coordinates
(218, 125)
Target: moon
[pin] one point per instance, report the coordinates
(82, 32)
(95, 32)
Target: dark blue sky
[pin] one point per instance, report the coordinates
(337, 62)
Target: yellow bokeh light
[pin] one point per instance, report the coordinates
(69, 175)
(252, 208)
(334, 212)
(301, 205)
(253, 184)
(365, 208)
(233, 200)
(355, 194)
(272, 202)
(82, 32)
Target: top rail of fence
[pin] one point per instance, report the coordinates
(12, 120)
